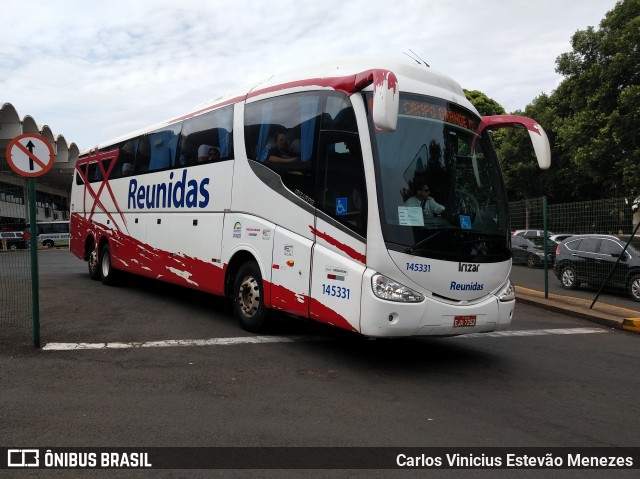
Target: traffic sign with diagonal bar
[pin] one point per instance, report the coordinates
(30, 155)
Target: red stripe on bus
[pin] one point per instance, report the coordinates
(341, 246)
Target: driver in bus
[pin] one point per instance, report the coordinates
(422, 198)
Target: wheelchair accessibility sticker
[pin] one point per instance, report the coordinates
(465, 222)
(341, 206)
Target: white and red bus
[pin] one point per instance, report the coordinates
(332, 234)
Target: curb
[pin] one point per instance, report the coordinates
(611, 316)
(631, 324)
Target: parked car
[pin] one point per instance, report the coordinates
(533, 235)
(13, 240)
(524, 251)
(590, 258)
(560, 237)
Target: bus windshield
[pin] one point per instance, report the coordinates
(440, 189)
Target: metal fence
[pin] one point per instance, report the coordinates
(613, 216)
(15, 262)
(608, 216)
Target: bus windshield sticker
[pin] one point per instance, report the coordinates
(410, 216)
(341, 206)
(465, 222)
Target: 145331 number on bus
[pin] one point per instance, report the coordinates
(336, 291)
(419, 267)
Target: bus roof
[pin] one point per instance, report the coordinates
(412, 77)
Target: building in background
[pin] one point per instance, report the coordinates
(52, 189)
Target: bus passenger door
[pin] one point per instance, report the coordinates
(339, 253)
(290, 272)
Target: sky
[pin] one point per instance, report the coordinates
(94, 71)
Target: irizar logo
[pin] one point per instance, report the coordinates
(468, 267)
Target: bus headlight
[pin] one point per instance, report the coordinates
(507, 292)
(386, 288)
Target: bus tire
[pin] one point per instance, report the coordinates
(48, 244)
(94, 265)
(107, 272)
(248, 298)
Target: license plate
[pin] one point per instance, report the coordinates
(464, 321)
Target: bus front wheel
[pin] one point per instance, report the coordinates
(248, 298)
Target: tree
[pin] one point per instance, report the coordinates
(598, 105)
(484, 104)
(592, 119)
(519, 166)
(523, 178)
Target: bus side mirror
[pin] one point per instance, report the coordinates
(537, 135)
(386, 100)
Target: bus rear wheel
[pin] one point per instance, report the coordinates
(107, 272)
(248, 298)
(94, 267)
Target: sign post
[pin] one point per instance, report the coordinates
(33, 247)
(31, 155)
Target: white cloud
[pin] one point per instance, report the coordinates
(95, 70)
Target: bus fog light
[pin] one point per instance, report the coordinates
(393, 318)
(386, 288)
(507, 292)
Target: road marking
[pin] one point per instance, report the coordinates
(286, 339)
(533, 332)
(179, 342)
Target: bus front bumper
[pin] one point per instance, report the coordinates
(432, 317)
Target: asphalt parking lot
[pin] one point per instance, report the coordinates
(152, 365)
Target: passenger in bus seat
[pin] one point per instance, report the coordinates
(280, 153)
(422, 197)
(208, 153)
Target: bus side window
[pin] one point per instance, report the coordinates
(339, 114)
(297, 117)
(126, 158)
(163, 145)
(213, 129)
(143, 155)
(93, 172)
(341, 191)
(79, 180)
